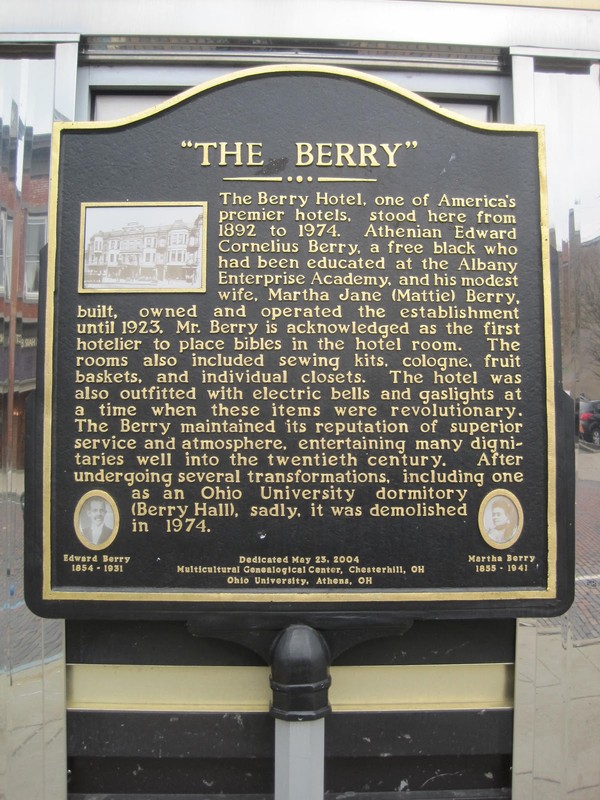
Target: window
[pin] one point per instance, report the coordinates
(35, 239)
(6, 244)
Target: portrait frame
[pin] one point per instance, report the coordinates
(515, 514)
(112, 521)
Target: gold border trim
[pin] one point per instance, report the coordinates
(340, 596)
(550, 367)
(117, 687)
(348, 596)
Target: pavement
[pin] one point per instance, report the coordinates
(557, 673)
(583, 618)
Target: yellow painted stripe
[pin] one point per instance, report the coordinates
(167, 688)
(432, 686)
(246, 689)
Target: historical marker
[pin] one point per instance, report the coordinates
(298, 356)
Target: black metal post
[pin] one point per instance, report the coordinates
(300, 681)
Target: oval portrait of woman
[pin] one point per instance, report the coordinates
(500, 519)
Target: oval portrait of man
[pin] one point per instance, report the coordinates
(96, 520)
(500, 519)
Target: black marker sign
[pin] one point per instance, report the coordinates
(298, 355)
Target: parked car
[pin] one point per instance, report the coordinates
(589, 421)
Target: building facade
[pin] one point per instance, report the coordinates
(145, 254)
